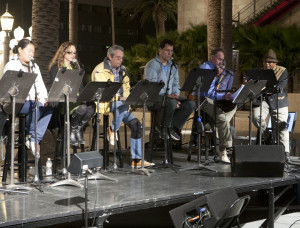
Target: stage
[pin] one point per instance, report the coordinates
(131, 192)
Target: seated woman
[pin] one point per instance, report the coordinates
(80, 113)
(25, 50)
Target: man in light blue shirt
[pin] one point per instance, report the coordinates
(177, 109)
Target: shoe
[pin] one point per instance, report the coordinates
(173, 134)
(223, 155)
(111, 136)
(139, 164)
(31, 145)
(287, 157)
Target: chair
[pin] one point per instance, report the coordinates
(156, 143)
(232, 214)
(103, 135)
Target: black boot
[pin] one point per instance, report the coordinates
(79, 133)
(73, 133)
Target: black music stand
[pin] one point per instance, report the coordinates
(101, 92)
(15, 86)
(144, 92)
(199, 80)
(64, 89)
(271, 88)
(248, 92)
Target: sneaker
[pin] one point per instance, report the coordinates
(31, 145)
(139, 164)
(174, 135)
(223, 155)
(111, 136)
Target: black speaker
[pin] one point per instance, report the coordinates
(213, 205)
(85, 160)
(258, 161)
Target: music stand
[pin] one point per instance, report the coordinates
(64, 89)
(101, 92)
(246, 93)
(15, 86)
(198, 80)
(271, 88)
(144, 92)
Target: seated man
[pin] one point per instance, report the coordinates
(177, 109)
(225, 109)
(112, 69)
(269, 105)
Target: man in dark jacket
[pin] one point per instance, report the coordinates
(269, 105)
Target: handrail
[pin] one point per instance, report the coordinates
(253, 11)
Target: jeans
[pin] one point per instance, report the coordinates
(124, 115)
(44, 114)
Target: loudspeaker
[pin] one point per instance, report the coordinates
(258, 161)
(84, 161)
(214, 206)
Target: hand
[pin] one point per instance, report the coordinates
(175, 96)
(178, 104)
(219, 70)
(227, 96)
(122, 98)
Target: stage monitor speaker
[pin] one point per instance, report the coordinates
(85, 160)
(213, 205)
(258, 161)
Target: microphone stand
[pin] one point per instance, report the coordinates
(168, 146)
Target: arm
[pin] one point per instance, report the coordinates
(283, 80)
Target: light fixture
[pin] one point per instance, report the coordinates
(19, 33)
(30, 31)
(7, 21)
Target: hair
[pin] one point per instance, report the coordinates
(216, 50)
(164, 42)
(22, 44)
(112, 49)
(59, 55)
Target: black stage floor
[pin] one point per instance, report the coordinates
(132, 192)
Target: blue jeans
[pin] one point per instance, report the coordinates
(125, 116)
(44, 114)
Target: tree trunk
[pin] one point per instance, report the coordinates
(45, 33)
(113, 37)
(226, 31)
(213, 25)
(73, 21)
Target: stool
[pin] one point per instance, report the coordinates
(22, 153)
(60, 147)
(207, 137)
(103, 135)
(156, 143)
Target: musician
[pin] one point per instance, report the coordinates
(225, 109)
(25, 50)
(269, 104)
(178, 109)
(111, 69)
(80, 113)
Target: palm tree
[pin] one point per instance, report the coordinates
(226, 31)
(213, 25)
(157, 10)
(73, 21)
(45, 33)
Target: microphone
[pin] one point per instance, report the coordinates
(75, 63)
(32, 62)
(173, 63)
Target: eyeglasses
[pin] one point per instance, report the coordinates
(70, 52)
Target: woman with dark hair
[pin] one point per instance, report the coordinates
(80, 113)
(25, 50)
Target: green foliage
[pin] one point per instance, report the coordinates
(191, 48)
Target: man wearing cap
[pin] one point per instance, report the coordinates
(269, 104)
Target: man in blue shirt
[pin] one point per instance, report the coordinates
(177, 109)
(225, 109)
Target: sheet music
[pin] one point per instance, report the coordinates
(236, 93)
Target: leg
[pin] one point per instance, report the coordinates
(256, 118)
(182, 113)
